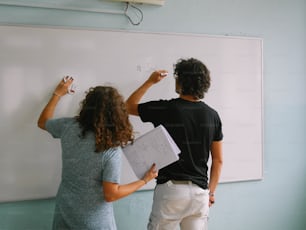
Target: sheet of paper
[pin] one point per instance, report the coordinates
(155, 146)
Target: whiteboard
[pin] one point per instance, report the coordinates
(33, 60)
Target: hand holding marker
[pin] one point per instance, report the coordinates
(72, 87)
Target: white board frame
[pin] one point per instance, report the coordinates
(34, 59)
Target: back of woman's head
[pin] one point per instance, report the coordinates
(193, 77)
(103, 112)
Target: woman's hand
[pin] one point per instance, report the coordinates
(63, 87)
(150, 174)
(47, 113)
(113, 191)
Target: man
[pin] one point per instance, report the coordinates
(183, 193)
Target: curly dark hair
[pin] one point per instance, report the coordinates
(103, 112)
(193, 77)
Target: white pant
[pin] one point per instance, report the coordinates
(184, 205)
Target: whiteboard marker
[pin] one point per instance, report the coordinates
(65, 79)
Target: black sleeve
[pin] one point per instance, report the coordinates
(218, 129)
(153, 111)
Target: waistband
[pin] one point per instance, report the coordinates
(180, 182)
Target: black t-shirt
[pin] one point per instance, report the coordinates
(193, 126)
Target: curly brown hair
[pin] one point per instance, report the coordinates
(103, 112)
(193, 77)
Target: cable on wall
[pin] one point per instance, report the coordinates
(137, 13)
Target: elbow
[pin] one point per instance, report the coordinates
(41, 122)
(109, 197)
(131, 108)
(217, 162)
(41, 125)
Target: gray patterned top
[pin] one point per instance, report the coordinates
(79, 201)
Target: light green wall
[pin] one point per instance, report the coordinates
(27, 215)
(278, 202)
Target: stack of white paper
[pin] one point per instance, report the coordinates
(155, 146)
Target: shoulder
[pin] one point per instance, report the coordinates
(209, 108)
(63, 120)
(59, 126)
(112, 153)
(161, 102)
(112, 156)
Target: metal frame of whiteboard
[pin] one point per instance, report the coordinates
(15, 173)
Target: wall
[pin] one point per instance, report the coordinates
(278, 201)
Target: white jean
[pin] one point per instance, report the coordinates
(184, 205)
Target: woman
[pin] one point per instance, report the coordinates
(91, 158)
